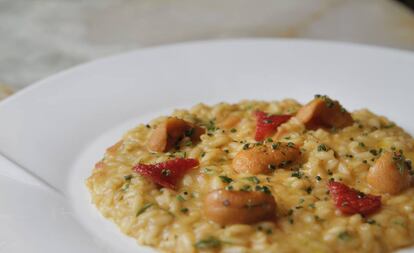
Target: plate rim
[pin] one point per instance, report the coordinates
(304, 42)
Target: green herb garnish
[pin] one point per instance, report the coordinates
(166, 172)
(210, 242)
(128, 177)
(374, 152)
(322, 147)
(344, 236)
(252, 179)
(275, 145)
(180, 198)
(211, 126)
(207, 171)
(263, 189)
(271, 167)
(297, 174)
(143, 209)
(245, 188)
(189, 132)
(291, 144)
(226, 179)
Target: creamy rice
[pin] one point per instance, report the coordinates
(307, 220)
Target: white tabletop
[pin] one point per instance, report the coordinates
(39, 38)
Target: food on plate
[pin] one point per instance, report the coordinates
(261, 176)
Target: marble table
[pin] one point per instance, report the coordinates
(39, 38)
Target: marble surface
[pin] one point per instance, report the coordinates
(42, 37)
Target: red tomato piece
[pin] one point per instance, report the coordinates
(350, 201)
(267, 124)
(168, 173)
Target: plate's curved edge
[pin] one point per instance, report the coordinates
(216, 42)
(13, 170)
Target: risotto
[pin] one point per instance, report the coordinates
(261, 177)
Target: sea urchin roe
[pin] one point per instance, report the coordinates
(265, 159)
(323, 112)
(239, 207)
(350, 201)
(390, 173)
(166, 174)
(267, 124)
(168, 133)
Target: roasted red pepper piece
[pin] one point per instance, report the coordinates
(351, 201)
(168, 173)
(267, 124)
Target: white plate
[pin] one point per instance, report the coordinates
(52, 133)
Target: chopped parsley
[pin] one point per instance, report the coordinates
(328, 101)
(246, 146)
(374, 152)
(229, 188)
(210, 242)
(297, 174)
(188, 143)
(322, 147)
(252, 179)
(184, 210)
(128, 177)
(285, 163)
(233, 130)
(344, 236)
(226, 179)
(211, 126)
(166, 172)
(275, 145)
(391, 125)
(143, 209)
(318, 178)
(125, 187)
(189, 132)
(180, 198)
(271, 167)
(400, 162)
(291, 144)
(263, 189)
(207, 171)
(245, 188)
